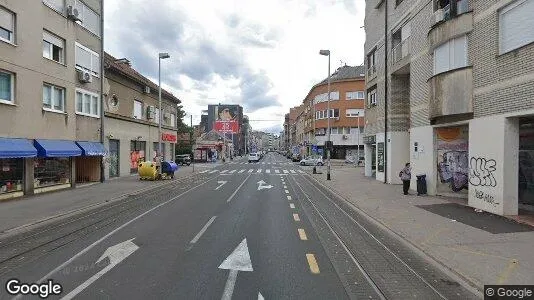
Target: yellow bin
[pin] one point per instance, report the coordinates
(147, 170)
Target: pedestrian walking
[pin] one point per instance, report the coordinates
(406, 175)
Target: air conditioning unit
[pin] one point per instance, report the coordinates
(147, 90)
(73, 14)
(84, 76)
(438, 15)
(150, 110)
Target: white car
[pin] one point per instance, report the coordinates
(312, 161)
(253, 157)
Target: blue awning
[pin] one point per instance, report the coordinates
(57, 148)
(13, 148)
(92, 148)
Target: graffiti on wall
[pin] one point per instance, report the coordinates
(481, 172)
(487, 198)
(453, 158)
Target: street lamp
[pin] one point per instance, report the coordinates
(161, 56)
(327, 53)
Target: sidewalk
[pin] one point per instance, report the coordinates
(481, 247)
(32, 209)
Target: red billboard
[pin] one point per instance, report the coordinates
(230, 126)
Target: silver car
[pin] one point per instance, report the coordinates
(312, 161)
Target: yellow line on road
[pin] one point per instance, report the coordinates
(314, 268)
(291, 205)
(302, 234)
(503, 277)
(296, 217)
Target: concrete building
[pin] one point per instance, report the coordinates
(50, 87)
(132, 119)
(347, 113)
(442, 76)
(231, 116)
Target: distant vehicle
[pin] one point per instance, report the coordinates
(312, 161)
(296, 157)
(253, 157)
(183, 159)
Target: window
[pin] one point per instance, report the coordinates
(334, 113)
(371, 97)
(371, 69)
(87, 60)
(324, 97)
(51, 171)
(354, 112)
(333, 130)
(397, 2)
(7, 25)
(53, 98)
(355, 95)
(89, 19)
(53, 47)
(156, 115)
(87, 103)
(515, 25)
(138, 110)
(58, 5)
(7, 87)
(451, 55)
(11, 175)
(173, 120)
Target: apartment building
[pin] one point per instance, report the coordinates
(449, 88)
(347, 85)
(50, 95)
(132, 118)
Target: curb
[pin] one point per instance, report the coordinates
(21, 228)
(465, 282)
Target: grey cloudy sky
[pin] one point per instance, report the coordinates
(262, 55)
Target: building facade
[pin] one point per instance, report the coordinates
(347, 85)
(132, 118)
(50, 95)
(441, 76)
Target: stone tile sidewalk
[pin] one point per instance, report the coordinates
(34, 209)
(480, 247)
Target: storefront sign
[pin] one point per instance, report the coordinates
(369, 139)
(231, 126)
(380, 157)
(168, 137)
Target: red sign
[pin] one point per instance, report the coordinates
(231, 126)
(168, 137)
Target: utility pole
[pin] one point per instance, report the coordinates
(191, 143)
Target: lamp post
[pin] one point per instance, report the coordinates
(161, 56)
(358, 158)
(327, 53)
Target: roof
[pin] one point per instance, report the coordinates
(345, 73)
(127, 71)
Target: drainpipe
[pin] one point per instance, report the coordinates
(386, 93)
(102, 137)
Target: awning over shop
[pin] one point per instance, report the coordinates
(92, 148)
(13, 148)
(57, 148)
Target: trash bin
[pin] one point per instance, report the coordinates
(147, 170)
(168, 168)
(421, 184)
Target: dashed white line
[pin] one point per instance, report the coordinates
(250, 170)
(201, 232)
(232, 172)
(291, 205)
(268, 171)
(293, 172)
(259, 171)
(224, 171)
(214, 171)
(277, 171)
(241, 171)
(285, 172)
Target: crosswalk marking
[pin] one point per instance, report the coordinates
(300, 171)
(213, 171)
(285, 172)
(293, 171)
(259, 171)
(224, 171)
(241, 171)
(202, 172)
(277, 171)
(268, 171)
(250, 171)
(232, 172)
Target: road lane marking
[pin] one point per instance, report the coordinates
(224, 171)
(239, 187)
(314, 267)
(300, 171)
(285, 172)
(277, 171)
(232, 172)
(86, 249)
(293, 172)
(221, 183)
(201, 232)
(287, 191)
(285, 186)
(296, 217)
(259, 171)
(288, 197)
(202, 172)
(302, 234)
(250, 170)
(214, 171)
(291, 205)
(241, 171)
(268, 171)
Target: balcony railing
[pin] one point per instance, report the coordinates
(401, 50)
(371, 71)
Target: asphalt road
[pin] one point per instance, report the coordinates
(238, 231)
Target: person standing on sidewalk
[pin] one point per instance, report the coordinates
(406, 175)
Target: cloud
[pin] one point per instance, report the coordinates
(255, 89)
(250, 33)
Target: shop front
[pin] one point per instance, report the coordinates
(452, 150)
(370, 154)
(88, 165)
(137, 154)
(53, 167)
(13, 153)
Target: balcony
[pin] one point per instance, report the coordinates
(451, 93)
(444, 31)
(371, 71)
(401, 54)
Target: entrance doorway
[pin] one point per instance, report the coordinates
(114, 147)
(526, 164)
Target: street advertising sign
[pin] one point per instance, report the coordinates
(380, 157)
(314, 148)
(231, 126)
(168, 137)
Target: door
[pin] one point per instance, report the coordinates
(114, 158)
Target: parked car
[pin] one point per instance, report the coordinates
(183, 159)
(296, 157)
(312, 161)
(253, 157)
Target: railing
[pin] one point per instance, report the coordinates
(401, 50)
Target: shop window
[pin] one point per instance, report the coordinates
(11, 173)
(51, 171)
(137, 154)
(156, 147)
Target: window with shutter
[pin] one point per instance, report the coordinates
(515, 25)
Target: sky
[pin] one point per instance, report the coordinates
(262, 55)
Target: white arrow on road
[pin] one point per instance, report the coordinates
(261, 185)
(221, 183)
(239, 260)
(116, 254)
